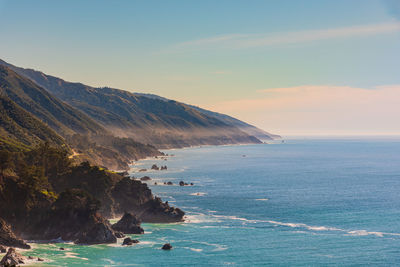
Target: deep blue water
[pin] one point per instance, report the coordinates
(300, 203)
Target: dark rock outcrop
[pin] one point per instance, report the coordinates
(160, 212)
(155, 167)
(128, 224)
(74, 217)
(12, 258)
(50, 199)
(145, 178)
(8, 238)
(128, 241)
(167, 246)
(181, 183)
(163, 168)
(3, 249)
(135, 197)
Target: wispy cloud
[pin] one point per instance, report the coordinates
(238, 41)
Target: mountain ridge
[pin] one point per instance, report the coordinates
(162, 122)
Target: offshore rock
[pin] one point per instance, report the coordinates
(128, 224)
(167, 246)
(129, 242)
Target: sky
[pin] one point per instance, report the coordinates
(312, 67)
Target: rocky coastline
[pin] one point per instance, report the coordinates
(73, 203)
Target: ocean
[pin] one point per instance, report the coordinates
(304, 202)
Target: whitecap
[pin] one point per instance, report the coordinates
(262, 199)
(199, 218)
(194, 249)
(74, 256)
(200, 194)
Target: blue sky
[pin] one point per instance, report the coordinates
(225, 55)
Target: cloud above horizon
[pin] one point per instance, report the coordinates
(241, 41)
(315, 109)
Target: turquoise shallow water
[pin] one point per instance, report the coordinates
(301, 203)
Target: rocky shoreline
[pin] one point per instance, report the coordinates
(73, 204)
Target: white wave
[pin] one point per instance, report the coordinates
(310, 227)
(200, 194)
(327, 228)
(217, 247)
(194, 249)
(147, 243)
(74, 256)
(262, 199)
(215, 227)
(220, 248)
(234, 218)
(200, 218)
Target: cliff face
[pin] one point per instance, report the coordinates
(8, 238)
(48, 198)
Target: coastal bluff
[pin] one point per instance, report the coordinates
(49, 198)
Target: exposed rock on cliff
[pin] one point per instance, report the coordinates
(12, 258)
(8, 238)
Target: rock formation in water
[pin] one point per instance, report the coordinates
(128, 224)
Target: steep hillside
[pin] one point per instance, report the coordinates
(30, 115)
(245, 127)
(163, 123)
(19, 130)
(60, 116)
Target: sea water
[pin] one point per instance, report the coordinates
(304, 202)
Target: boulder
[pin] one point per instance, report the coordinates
(129, 242)
(8, 238)
(40, 259)
(169, 183)
(145, 178)
(155, 167)
(3, 249)
(181, 183)
(142, 170)
(136, 197)
(12, 258)
(161, 212)
(163, 168)
(167, 246)
(128, 224)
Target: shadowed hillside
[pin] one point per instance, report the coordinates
(31, 115)
(148, 119)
